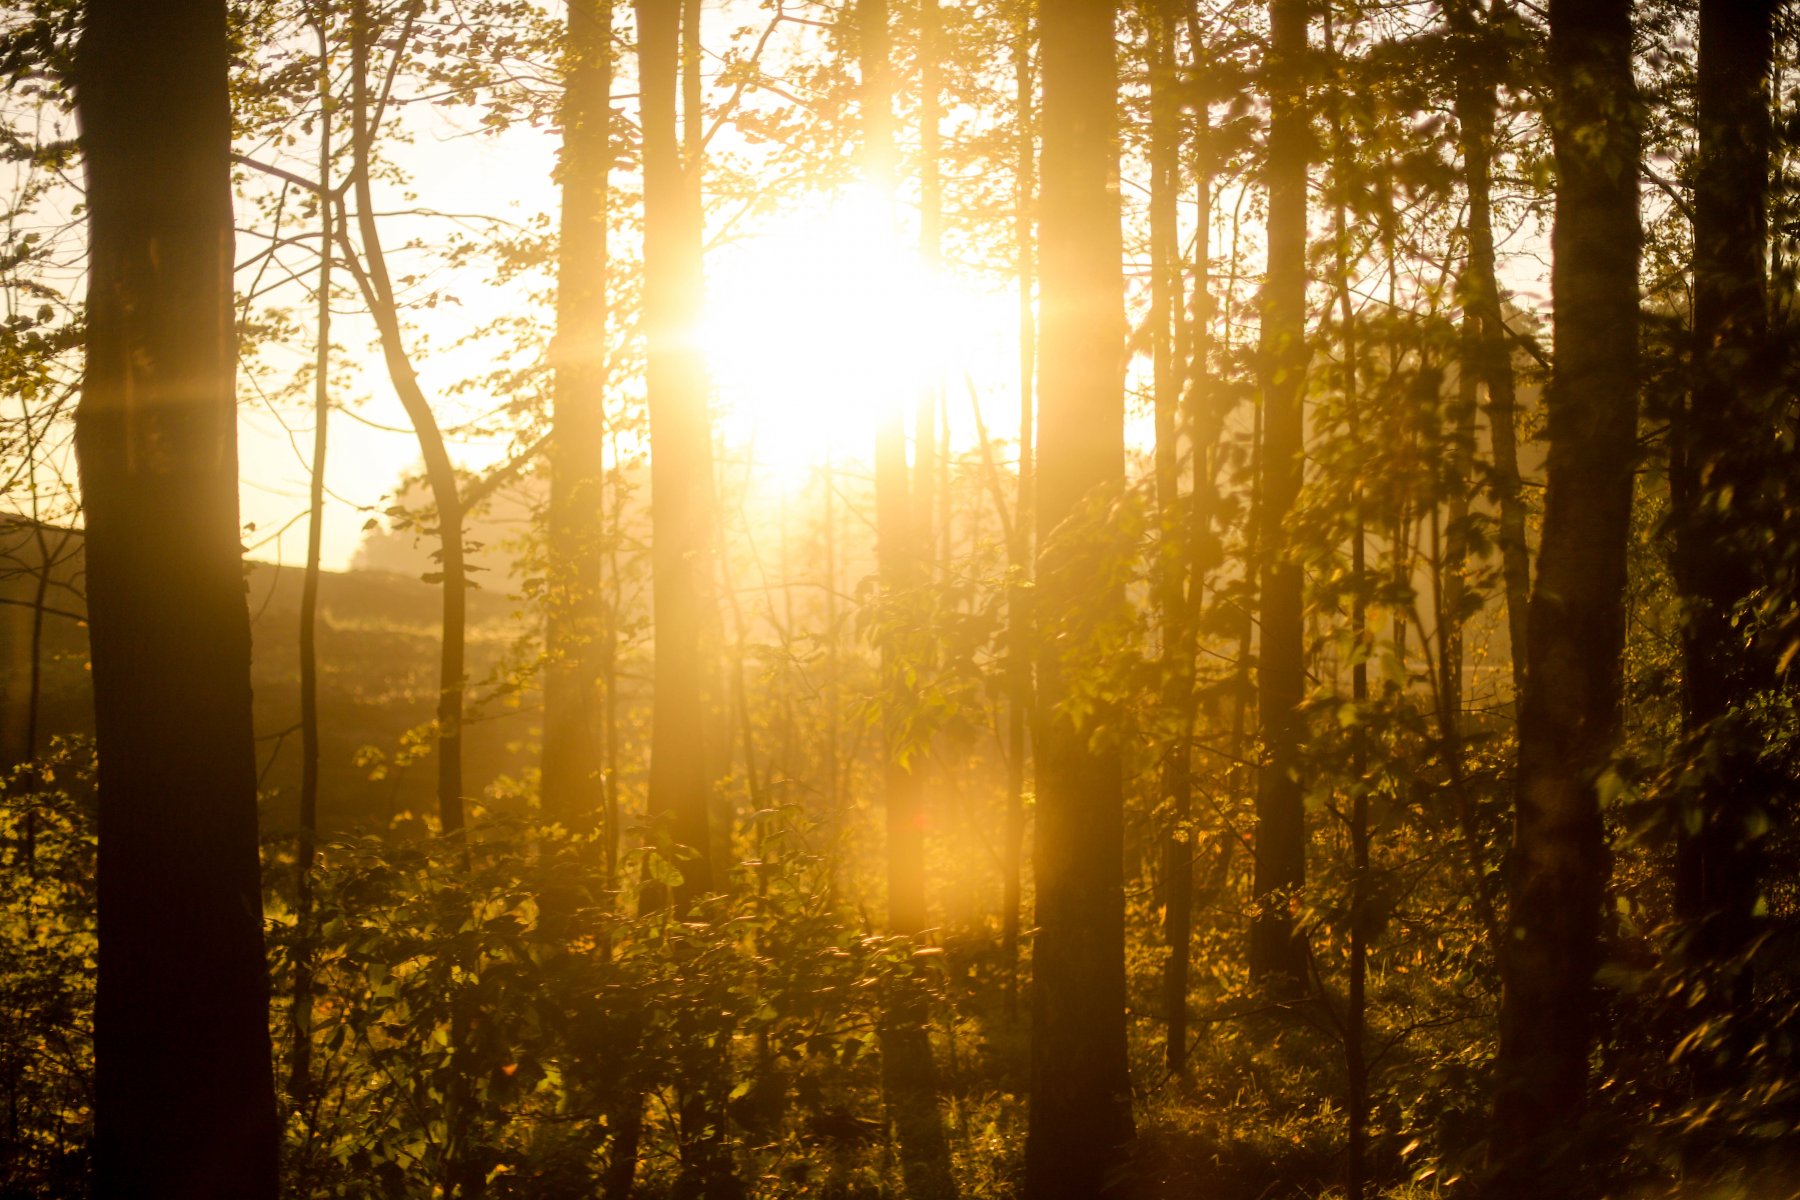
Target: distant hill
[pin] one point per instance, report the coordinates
(377, 645)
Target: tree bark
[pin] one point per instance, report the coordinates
(1277, 953)
(909, 1079)
(377, 287)
(1356, 1000)
(1713, 474)
(1488, 355)
(1081, 1131)
(898, 526)
(184, 1086)
(1569, 717)
(680, 450)
(1019, 708)
(926, 450)
(573, 783)
(306, 850)
(1174, 555)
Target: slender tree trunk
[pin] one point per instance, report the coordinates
(573, 784)
(896, 522)
(1174, 555)
(184, 1102)
(681, 449)
(1572, 684)
(681, 509)
(1018, 550)
(34, 667)
(1277, 953)
(1081, 1132)
(1489, 357)
(626, 1123)
(1356, 1005)
(1204, 416)
(440, 473)
(34, 684)
(1356, 1017)
(609, 662)
(1713, 474)
(926, 449)
(693, 110)
(903, 529)
(1454, 570)
(306, 853)
(834, 679)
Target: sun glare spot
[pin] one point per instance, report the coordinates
(816, 323)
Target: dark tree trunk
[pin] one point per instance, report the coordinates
(1487, 354)
(1204, 413)
(377, 286)
(1713, 474)
(903, 538)
(1018, 550)
(680, 450)
(926, 450)
(1174, 555)
(574, 785)
(899, 529)
(1356, 999)
(681, 513)
(1569, 717)
(184, 1085)
(1277, 954)
(306, 850)
(1081, 1130)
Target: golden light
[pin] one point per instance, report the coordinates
(818, 321)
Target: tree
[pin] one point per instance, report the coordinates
(1081, 1129)
(1356, 1001)
(573, 789)
(681, 501)
(306, 852)
(903, 539)
(1713, 473)
(1277, 954)
(184, 1092)
(376, 284)
(680, 449)
(1576, 630)
(1168, 336)
(1018, 547)
(1483, 57)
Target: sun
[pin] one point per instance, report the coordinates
(819, 322)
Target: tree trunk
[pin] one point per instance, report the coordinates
(184, 1102)
(573, 783)
(1018, 550)
(377, 287)
(1489, 356)
(926, 450)
(909, 1079)
(1356, 1000)
(1576, 634)
(306, 851)
(1277, 954)
(1174, 555)
(898, 526)
(680, 450)
(1081, 1132)
(1713, 474)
